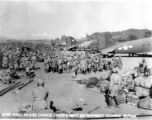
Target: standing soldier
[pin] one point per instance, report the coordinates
(96, 62)
(59, 63)
(74, 67)
(65, 61)
(69, 64)
(40, 95)
(115, 81)
(22, 62)
(83, 65)
(33, 61)
(16, 64)
(101, 64)
(46, 65)
(89, 62)
(27, 66)
(50, 63)
(5, 61)
(53, 64)
(119, 62)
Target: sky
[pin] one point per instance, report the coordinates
(52, 19)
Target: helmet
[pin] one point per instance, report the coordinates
(143, 59)
(40, 82)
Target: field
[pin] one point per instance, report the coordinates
(64, 91)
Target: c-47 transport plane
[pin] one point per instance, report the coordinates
(71, 43)
(107, 46)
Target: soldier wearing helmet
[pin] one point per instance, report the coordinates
(74, 67)
(40, 95)
(5, 61)
(115, 81)
(33, 60)
(141, 69)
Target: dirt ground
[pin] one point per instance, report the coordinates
(64, 91)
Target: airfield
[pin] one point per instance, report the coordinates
(66, 93)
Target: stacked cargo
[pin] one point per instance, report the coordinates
(142, 86)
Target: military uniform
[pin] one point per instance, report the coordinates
(74, 67)
(22, 62)
(39, 97)
(5, 61)
(83, 66)
(141, 69)
(69, 64)
(115, 81)
(46, 65)
(59, 63)
(33, 61)
(119, 62)
(89, 62)
(27, 66)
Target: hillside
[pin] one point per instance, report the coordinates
(140, 33)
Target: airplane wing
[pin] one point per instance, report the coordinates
(107, 50)
(74, 46)
(110, 49)
(84, 44)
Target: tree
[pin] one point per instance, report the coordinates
(53, 42)
(87, 35)
(147, 34)
(63, 38)
(132, 37)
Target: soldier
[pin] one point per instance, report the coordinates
(59, 63)
(114, 62)
(89, 62)
(144, 62)
(53, 59)
(141, 69)
(83, 66)
(27, 66)
(95, 63)
(22, 62)
(55, 64)
(101, 66)
(40, 95)
(5, 61)
(64, 63)
(115, 81)
(16, 64)
(33, 61)
(119, 62)
(50, 63)
(69, 63)
(46, 65)
(74, 67)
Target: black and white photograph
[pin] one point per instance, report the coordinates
(76, 59)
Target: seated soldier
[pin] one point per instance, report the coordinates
(141, 69)
(40, 95)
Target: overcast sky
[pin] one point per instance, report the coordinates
(50, 19)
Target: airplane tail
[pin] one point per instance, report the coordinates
(101, 41)
(105, 40)
(109, 41)
(70, 41)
